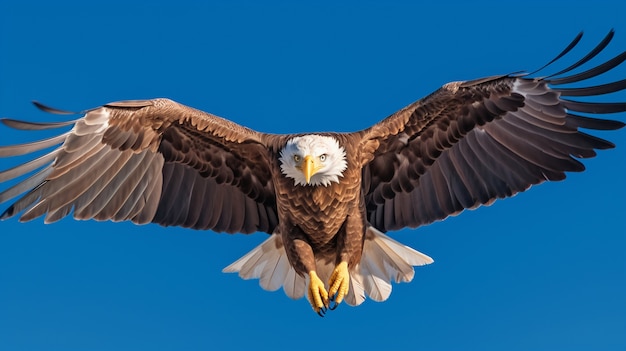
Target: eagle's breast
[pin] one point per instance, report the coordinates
(319, 211)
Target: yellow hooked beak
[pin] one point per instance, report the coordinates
(309, 167)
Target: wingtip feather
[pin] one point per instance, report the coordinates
(56, 111)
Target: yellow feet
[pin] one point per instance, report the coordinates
(318, 297)
(339, 284)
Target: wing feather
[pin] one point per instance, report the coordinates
(32, 182)
(181, 198)
(224, 217)
(23, 149)
(130, 206)
(196, 203)
(25, 125)
(470, 143)
(497, 168)
(593, 53)
(152, 199)
(123, 185)
(27, 167)
(56, 194)
(213, 208)
(146, 161)
(590, 73)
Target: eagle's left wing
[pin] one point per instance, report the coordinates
(470, 143)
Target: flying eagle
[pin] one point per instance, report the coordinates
(326, 199)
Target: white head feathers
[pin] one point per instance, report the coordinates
(326, 157)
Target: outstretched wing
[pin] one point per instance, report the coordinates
(470, 143)
(146, 161)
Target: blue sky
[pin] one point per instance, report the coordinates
(544, 270)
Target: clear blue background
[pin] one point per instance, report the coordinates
(545, 270)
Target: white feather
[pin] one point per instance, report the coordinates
(376, 286)
(268, 262)
(295, 284)
(408, 254)
(356, 294)
(251, 268)
(383, 261)
(314, 145)
(275, 273)
(245, 266)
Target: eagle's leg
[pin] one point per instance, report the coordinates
(318, 297)
(302, 259)
(339, 284)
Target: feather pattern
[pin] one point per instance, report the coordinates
(142, 161)
(470, 143)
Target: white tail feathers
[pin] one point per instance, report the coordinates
(383, 260)
(268, 262)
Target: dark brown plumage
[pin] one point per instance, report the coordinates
(464, 145)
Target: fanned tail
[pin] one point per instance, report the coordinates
(383, 260)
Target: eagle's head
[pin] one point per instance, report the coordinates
(313, 160)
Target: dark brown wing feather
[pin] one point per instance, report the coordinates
(470, 143)
(146, 161)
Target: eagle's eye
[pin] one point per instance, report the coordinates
(296, 158)
(323, 157)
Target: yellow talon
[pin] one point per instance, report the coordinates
(318, 296)
(339, 282)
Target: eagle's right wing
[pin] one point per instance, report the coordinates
(146, 161)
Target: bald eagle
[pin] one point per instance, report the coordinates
(326, 199)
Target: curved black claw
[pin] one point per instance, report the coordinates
(322, 312)
(333, 302)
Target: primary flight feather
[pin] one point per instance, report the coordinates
(325, 198)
